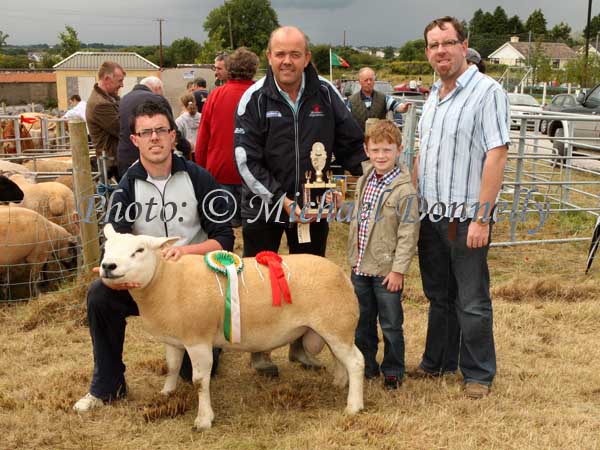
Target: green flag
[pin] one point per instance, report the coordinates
(338, 61)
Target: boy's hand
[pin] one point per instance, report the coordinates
(333, 196)
(394, 281)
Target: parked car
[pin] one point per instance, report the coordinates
(526, 104)
(558, 103)
(588, 104)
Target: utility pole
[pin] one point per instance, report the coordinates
(160, 21)
(344, 42)
(587, 43)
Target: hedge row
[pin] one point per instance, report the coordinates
(424, 68)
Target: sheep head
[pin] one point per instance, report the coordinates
(129, 258)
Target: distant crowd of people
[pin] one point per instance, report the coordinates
(253, 139)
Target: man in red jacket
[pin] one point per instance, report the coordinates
(214, 145)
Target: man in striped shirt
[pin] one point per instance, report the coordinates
(464, 134)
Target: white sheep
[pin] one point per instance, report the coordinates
(50, 165)
(7, 167)
(181, 304)
(53, 200)
(27, 237)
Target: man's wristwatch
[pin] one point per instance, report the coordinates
(482, 220)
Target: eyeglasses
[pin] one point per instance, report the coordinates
(449, 43)
(147, 133)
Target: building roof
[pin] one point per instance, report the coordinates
(553, 50)
(27, 77)
(93, 60)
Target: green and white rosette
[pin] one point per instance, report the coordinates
(230, 264)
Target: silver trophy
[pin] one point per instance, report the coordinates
(315, 187)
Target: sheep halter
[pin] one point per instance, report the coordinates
(229, 264)
(279, 285)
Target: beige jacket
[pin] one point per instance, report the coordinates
(391, 237)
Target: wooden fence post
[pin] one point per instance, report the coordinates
(84, 194)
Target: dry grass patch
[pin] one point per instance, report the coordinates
(546, 394)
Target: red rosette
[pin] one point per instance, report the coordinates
(279, 284)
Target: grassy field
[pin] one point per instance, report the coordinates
(546, 394)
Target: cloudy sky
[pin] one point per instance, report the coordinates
(371, 22)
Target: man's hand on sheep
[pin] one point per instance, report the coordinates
(121, 286)
(172, 253)
(394, 281)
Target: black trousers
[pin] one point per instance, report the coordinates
(107, 311)
(260, 236)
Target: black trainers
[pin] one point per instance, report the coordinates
(391, 382)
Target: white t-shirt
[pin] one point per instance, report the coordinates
(77, 111)
(188, 126)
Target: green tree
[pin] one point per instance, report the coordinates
(540, 63)
(388, 52)
(536, 23)
(561, 32)
(500, 21)
(247, 23)
(594, 26)
(14, 62)
(3, 38)
(68, 41)
(413, 51)
(476, 23)
(184, 51)
(320, 58)
(208, 51)
(515, 25)
(48, 60)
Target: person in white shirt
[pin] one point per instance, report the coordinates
(77, 108)
(189, 120)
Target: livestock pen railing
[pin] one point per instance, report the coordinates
(46, 261)
(550, 193)
(22, 132)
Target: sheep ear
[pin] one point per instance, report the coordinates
(161, 242)
(109, 231)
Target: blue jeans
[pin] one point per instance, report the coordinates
(375, 300)
(456, 281)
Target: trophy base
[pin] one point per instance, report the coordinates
(314, 214)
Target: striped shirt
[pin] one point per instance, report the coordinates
(455, 135)
(370, 201)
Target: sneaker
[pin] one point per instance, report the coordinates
(391, 382)
(476, 390)
(87, 403)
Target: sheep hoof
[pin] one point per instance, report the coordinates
(353, 409)
(202, 423)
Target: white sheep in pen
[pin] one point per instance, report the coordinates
(27, 237)
(181, 304)
(55, 201)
